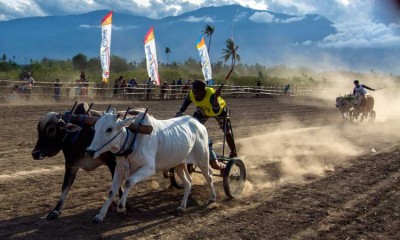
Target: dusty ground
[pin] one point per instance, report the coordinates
(311, 176)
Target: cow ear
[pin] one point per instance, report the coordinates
(112, 110)
(126, 122)
(71, 128)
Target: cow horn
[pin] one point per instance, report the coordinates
(90, 107)
(109, 106)
(126, 113)
(73, 107)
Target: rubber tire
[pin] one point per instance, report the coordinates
(230, 190)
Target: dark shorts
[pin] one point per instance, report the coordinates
(221, 121)
(203, 119)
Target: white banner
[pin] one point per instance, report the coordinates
(105, 46)
(151, 56)
(204, 58)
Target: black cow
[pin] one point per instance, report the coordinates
(55, 135)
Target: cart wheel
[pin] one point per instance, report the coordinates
(174, 178)
(234, 178)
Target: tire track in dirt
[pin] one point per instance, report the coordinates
(370, 191)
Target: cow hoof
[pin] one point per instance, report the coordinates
(52, 215)
(127, 184)
(211, 200)
(179, 212)
(96, 220)
(121, 210)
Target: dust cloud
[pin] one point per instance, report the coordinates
(293, 153)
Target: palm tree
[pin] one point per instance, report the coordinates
(168, 52)
(230, 53)
(209, 30)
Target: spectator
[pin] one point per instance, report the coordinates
(57, 89)
(123, 86)
(29, 81)
(287, 89)
(173, 91)
(179, 84)
(163, 90)
(83, 76)
(149, 84)
(84, 84)
(132, 84)
(117, 83)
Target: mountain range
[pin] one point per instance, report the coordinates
(263, 37)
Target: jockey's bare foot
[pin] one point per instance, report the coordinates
(166, 173)
(215, 164)
(232, 154)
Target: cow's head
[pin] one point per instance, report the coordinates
(340, 101)
(52, 133)
(107, 135)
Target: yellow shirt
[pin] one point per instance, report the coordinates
(205, 104)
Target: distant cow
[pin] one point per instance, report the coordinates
(350, 108)
(344, 104)
(172, 144)
(56, 135)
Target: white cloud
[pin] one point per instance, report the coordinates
(262, 17)
(198, 19)
(293, 19)
(360, 23)
(266, 17)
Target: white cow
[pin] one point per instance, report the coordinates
(172, 144)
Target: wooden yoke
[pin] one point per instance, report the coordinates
(91, 121)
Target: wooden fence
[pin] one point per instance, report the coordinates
(10, 90)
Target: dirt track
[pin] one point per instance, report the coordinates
(310, 177)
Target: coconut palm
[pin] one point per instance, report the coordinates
(168, 52)
(209, 30)
(230, 53)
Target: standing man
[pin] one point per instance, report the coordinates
(57, 89)
(117, 84)
(208, 104)
(149, 85)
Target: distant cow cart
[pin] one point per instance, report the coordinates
(353, 110)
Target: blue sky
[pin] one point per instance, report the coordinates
(361, 23)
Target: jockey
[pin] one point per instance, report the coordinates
(359, 91)
(208, 104)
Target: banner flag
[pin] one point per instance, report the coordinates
(105, 46)
(204, 58)
(151, 56)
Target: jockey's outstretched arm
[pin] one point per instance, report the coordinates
(184, 105)
(369, 88)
